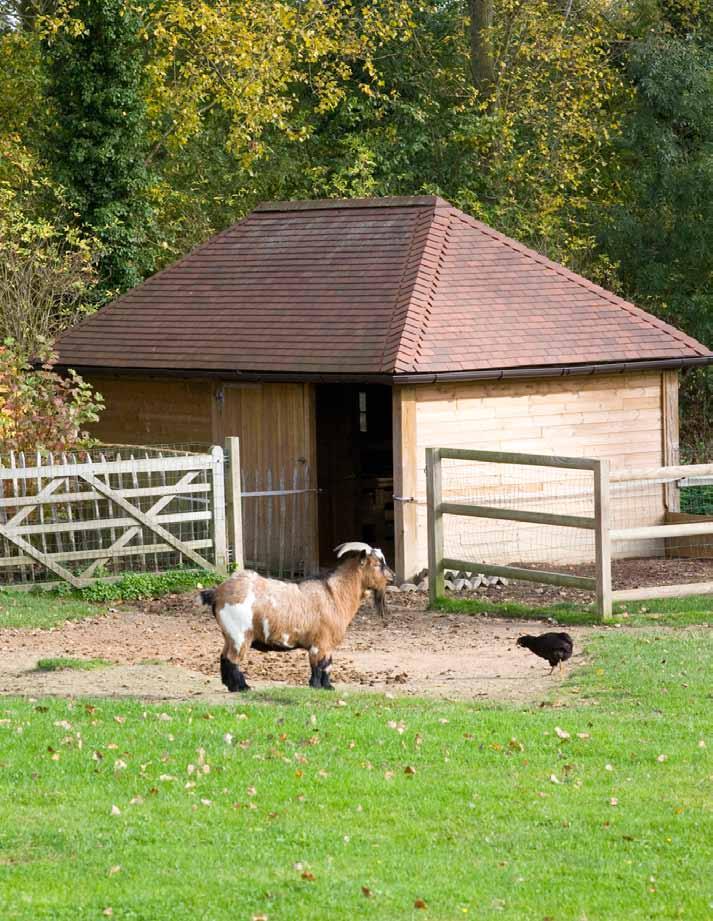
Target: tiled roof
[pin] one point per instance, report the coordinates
(369, 287)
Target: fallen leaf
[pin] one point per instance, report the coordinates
(366, 892)
(554, 779)
(561, 733)
(115, 810)
(251, 791)
(583, 735)
(259, 918)
(388, 775)
(136, 801)
(119, 719)
(419, 903)
(228, 738)
(308, 876)
(613, 801)
(608, 767)
(119, 765)
(662, 758)
(341, 703)
(114, 870)
(409, 769)
(516, 746)
(108, 912)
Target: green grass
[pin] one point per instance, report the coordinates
(42, 611)
(502, 819)
(59, 664)
(697, 609)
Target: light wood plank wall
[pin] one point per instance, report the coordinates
(619, 417)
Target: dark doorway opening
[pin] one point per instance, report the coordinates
(355, 467)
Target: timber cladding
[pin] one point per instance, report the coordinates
(276, 427)
(618, 417)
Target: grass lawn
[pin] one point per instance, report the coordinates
(303, 805)
(696, 609)
(43, 610)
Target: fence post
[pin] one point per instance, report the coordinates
(218, 495)
(602, 539)
(234, 501)
(434, 524)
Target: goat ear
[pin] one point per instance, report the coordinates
(363, 558)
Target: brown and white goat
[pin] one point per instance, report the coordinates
(274, 616)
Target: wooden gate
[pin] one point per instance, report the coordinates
(109, 511)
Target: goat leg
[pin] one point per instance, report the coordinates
(231, 676)
(326, 665)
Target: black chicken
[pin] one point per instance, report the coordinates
(555, 647)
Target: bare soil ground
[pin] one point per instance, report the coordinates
(169, 649)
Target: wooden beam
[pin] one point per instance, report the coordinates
(405, 474)
(522, 575)
(435, 524)
(511, 514)
(631, 475)
(188, 462)
(663, 591)
(602, 539)
(662, 530)
(508, 457)
(233, 494)
(670, 448)
(220, 549)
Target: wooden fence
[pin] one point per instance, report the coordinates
(105, 512)
(599, 524)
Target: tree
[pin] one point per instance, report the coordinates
(40, 409)
(97, 139)
(660, 231)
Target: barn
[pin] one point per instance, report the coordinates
(342, 338)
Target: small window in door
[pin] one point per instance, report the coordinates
(362, 411)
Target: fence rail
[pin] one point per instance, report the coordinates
(600, 523)
(80, 516)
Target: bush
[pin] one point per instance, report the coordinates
(39, 408)
(136, 586)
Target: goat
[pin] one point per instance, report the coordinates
(274, 616)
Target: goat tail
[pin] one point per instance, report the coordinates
(208, 596)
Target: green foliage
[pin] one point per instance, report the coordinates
(96, 138)
(504, 817)
(135, 586)
(69, 664)
(40, 409)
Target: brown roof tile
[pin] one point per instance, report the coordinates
(367, 287)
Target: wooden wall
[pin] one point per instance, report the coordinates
(619, 417)
(146, 412)
(275, 424)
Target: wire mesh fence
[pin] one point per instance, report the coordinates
(502, 511)
(107, 511)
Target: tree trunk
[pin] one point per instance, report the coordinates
(481, 52)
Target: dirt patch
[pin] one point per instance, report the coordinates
(169, 649)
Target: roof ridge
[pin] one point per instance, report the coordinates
(440, 243)
(405, 294)
(336, 204)
(559, 269)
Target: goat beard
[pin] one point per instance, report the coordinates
(380, 603)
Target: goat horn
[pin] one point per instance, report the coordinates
(351, 545)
